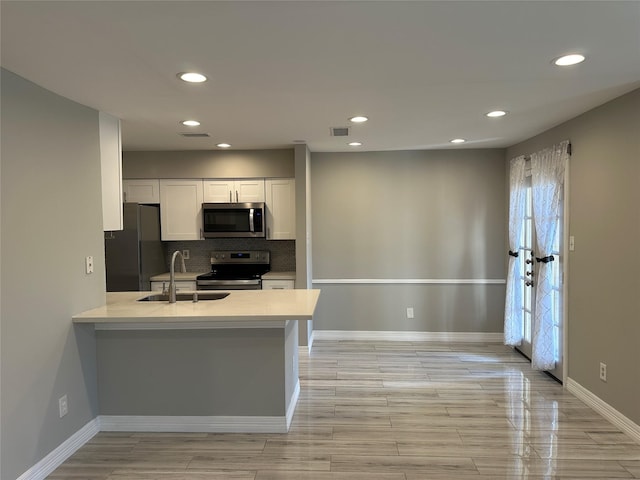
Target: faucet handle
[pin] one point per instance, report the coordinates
(165, 290)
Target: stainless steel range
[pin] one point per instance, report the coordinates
(235, 270)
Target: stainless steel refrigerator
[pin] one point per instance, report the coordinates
(135, 254)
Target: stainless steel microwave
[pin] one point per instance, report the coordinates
(221, 220)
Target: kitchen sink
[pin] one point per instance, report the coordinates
(185, 297)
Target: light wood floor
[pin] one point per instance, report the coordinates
(391, 411)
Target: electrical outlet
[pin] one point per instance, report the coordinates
(185, 254)
(409, 312)
(63, 405)
(603, 372)
(88, 262)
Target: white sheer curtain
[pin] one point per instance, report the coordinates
(513, 321)
(547, 180)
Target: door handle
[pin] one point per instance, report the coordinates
(236, 196)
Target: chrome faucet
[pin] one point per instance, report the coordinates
(172, 275)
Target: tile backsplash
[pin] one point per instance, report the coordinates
(283, 252)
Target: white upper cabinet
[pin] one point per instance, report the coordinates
(281, 209)
(181, 209)
(111, 171)
(233, 191)
(218, 191)
(141, 191)
(250, 190)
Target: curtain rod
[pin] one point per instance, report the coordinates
(528, 157)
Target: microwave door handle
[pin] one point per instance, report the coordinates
(251, 227)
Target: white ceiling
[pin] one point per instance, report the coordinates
(280, 72)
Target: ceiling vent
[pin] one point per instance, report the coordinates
(194, 135)
(339, 131)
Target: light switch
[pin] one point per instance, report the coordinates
(572, 244)
(89, 264)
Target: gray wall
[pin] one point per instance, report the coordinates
(51, 219)
(604, 218)
(409, 215)
(216, 372)
(303, 216)
(304, 262)
(209, 164)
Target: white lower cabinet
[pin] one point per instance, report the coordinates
(181, 209)
(278, 284)
(181, 286)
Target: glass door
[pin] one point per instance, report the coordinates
(527, 255)
(557, 297)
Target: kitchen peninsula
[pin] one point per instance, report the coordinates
(228, 365)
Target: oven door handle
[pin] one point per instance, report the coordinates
(204, 283)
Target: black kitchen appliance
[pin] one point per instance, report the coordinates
(133, 255)
(235, 270)
(221, 220)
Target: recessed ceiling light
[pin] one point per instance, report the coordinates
(496, 113)
(355, 144)
(190, 123)
(358, 119)
(567, 60)
(223, 145)
(192, 77)
(457, 140)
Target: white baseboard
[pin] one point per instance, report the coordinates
(603, 408)
(48, 464)
(292, 404)
(306, 349)
(399, 336)
(126, 423)
(208, 424)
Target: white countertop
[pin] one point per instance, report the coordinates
(279, 276)
(251, 306)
